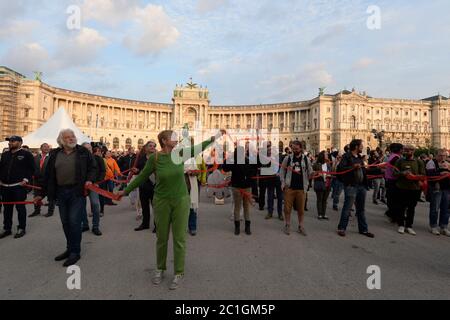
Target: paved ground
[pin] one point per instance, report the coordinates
(219, 265)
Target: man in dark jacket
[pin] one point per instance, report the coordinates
(16, 169)
(94, 196)
(242, 172)
(126, 163)
(70, 169)
(355, 188)
(41, 162)
(146, 190)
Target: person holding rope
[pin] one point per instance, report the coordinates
(147, 188)
(409, 190)
(395, 153)
(296, 171)
(322, 183)
(243, 174)
(439, 192)
(111, 174)
(40, 162)
(94, 196)
(356, 185)
(16, 170)
(71, 168)
(270, 180)
(171, 201)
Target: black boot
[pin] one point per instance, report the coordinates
(247, 228)
(237, 227)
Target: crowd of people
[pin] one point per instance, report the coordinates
(155, 182)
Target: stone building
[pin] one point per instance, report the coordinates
(328, 120)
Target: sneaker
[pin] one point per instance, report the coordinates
(320, 217)
(302, 231)
(325, 217)
(176, 281)
(287, 229)
(445, 232)
(401, 230)
(410, 231)
(435, 231)
(341, 233)
(269, 216)
(157, 277)
(375, 202)
(193, 232)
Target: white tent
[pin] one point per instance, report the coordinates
(49, 131)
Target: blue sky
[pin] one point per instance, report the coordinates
(246, 52)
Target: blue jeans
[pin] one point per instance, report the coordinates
(354, 195)
(192, 220)
(95, 209)
(337, 186)
(439, 209)
(71, 213)
(272, 187)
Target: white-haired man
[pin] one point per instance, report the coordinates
(70, 169)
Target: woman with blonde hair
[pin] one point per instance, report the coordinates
(171, 200)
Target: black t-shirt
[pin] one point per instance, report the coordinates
(297, 176)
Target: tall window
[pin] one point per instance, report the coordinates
(128, 143)
(353, 122)
(26, 113)
(116, 143)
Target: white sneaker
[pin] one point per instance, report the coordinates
(445, 232)
(157, 277)
(410, 231)
(176, 281)
(435, 231)
(401, 230)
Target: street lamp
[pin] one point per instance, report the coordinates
(379, 135)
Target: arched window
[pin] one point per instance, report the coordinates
(116, 143)
(328, 124)
(128, 143)
(353, 122)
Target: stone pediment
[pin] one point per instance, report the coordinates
(353, 95)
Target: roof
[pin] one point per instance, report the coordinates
(434, 98)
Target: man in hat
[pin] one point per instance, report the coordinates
(16, 170)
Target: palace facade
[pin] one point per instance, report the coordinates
(326, 121)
